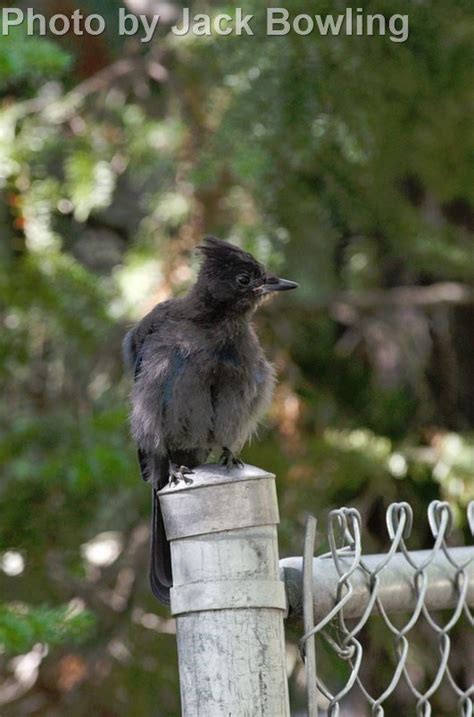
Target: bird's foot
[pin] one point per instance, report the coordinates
(178, 474)
(229, 460)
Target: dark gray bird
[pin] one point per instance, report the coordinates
(201, 378)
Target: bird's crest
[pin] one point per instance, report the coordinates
(223, 253)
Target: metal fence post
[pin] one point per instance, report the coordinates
(227, 595)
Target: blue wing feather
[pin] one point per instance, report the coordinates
(176, 367)
(227, 354)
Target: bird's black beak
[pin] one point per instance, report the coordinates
(273, 283)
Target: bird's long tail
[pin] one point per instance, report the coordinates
(155, 469)
(161, 577)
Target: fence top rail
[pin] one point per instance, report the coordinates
(396, 588)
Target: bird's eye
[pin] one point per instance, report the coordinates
(243, 279)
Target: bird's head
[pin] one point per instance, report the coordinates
(233, 278)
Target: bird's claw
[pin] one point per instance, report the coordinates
(229, 460)
(178, 474)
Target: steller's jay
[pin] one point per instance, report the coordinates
(201, 378)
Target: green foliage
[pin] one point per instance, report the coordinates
(29, 60)
(21, 627)
(91, 182)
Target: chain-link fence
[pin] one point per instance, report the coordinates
(345, 593)
(388, 634)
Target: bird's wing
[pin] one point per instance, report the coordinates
(142, 346)
(135, 338)
(153, 465)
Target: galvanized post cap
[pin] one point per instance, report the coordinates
(219, 499)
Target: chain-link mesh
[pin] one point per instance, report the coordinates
(375, 587)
